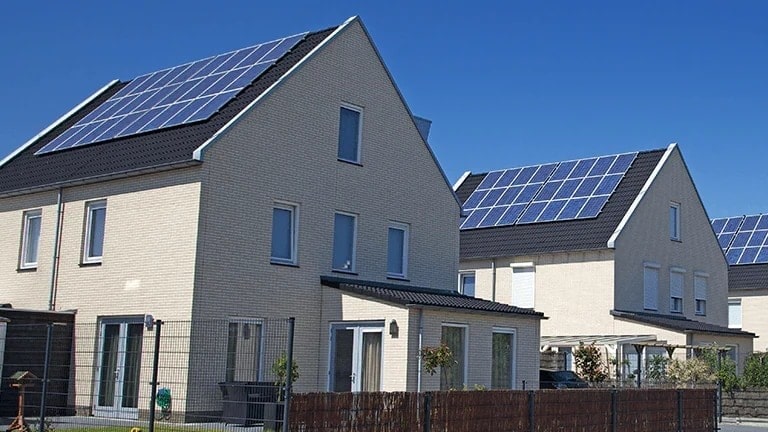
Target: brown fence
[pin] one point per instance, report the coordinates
(592, 410)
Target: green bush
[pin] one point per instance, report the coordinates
(756, 370)
(589, 363)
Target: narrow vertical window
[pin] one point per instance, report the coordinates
(397, 250)
(455, 376)
(244, 347)
(674, 221)
(734, 313)
(467, 284)
(344, 233)
(700, 293)
(95, 218)
(503, 359)
(651, 286)
(523, 286)
(284, 233)
(30, 239)
(676, 281)
(350, 122)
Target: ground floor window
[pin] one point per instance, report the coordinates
(454, 335)
(356, 357)
(503, 359)
(244, 348)
(118, 367)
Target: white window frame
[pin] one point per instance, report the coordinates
(514, 300)
(294, 255)
(25, 240)
(353, 263)
(465, 328)
(406, 229)
(90, 207)
(700, 293)
(513, 354)
(732, 322)
(462, 276)
(359, 111)
(358, 328)
(656, 268)
(674, 221)
(672, 298)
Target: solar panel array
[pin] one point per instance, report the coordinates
(744, 239)
(183, 94)
(561, 191)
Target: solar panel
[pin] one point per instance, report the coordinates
(567, 190)
(744, 239)
(180, 95)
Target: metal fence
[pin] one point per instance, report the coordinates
(124, 373)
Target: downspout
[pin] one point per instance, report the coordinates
(421, 334)
(493, 279)
(56, 250)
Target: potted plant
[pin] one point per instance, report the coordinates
(273, 411)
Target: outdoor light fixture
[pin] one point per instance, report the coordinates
(394, 331)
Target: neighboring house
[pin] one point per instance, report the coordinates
(615, 250)
(300, 185)
(744, 240)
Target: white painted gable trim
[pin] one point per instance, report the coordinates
(461, 179)
(200, 151)
(59, 121)
(639, 197)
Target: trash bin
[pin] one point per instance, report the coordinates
(243, 401)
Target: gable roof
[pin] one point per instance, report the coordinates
(560, 236)
(678, 323)
(419, 296)
(161, 149)
(747, 277)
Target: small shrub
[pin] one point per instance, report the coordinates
(756, 370)
(590, 364)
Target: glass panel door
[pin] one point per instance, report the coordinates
(342, 360)
(370, 366)
(356, 357)
(118, 369)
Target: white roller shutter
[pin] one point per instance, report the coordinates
(651, 288)
(523, 286)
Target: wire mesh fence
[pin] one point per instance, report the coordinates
(93, 376)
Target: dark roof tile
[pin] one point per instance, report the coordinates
(678, 323)
(745, 277)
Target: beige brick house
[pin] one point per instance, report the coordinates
(615, 250)
(308, 191)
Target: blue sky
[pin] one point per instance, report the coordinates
(505, 83)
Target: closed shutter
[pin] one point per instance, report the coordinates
(675, 290)
(651, 288)
(700, 287)
(734, 313)
(523, 286)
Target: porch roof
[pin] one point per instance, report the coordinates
(679, 323)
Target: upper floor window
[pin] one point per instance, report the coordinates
(676, 281)
(734, 313)
(344, 236)
(284, 233)
(700, 293)
(350, 131)
(95, 218)
(674, 221)
(467, 284)
(30, 238)
(523, 286)
(397, 250)
(651, 286)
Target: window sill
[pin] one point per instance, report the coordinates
(90, 264)
(26, 269)
(284, 264)
(344, 272)
(398, 278)
(676, 240)
(701, 314)
(349, 162)
(676, 312)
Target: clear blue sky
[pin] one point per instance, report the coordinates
(506, 83)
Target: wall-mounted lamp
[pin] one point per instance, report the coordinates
(394, 331)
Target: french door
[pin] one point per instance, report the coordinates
(118, 368)
(355, 357)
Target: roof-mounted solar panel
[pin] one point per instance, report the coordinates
(180, 95)
(577, 189)
(744, 239)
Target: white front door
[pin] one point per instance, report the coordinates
(355, 357)
(118, 368)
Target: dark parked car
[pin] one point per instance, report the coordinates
(549, 379)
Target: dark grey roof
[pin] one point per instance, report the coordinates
(410, 295)
(747, 277)
(160, 149)
(558, 236)
(678, 323)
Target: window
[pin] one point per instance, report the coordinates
(244, 350)
(344, 233)
(350, 120)
(674, 221)
(467, 284)
(397, 250)
(284, 233)
(455, 337)
(356, 360)
(700, 293)
(523, 286)
(651, 286)
(96, 213)
(503, 359)
(734, 313)
(30, 239)
(676, 280)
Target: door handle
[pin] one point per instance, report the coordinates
(352, 377)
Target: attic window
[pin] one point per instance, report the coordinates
(674, 221)
(350, 131)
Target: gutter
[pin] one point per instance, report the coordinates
(421, 342)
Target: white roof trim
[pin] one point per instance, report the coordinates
(200, 151)
(59, 121)
(461, 179)
(639, 197)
